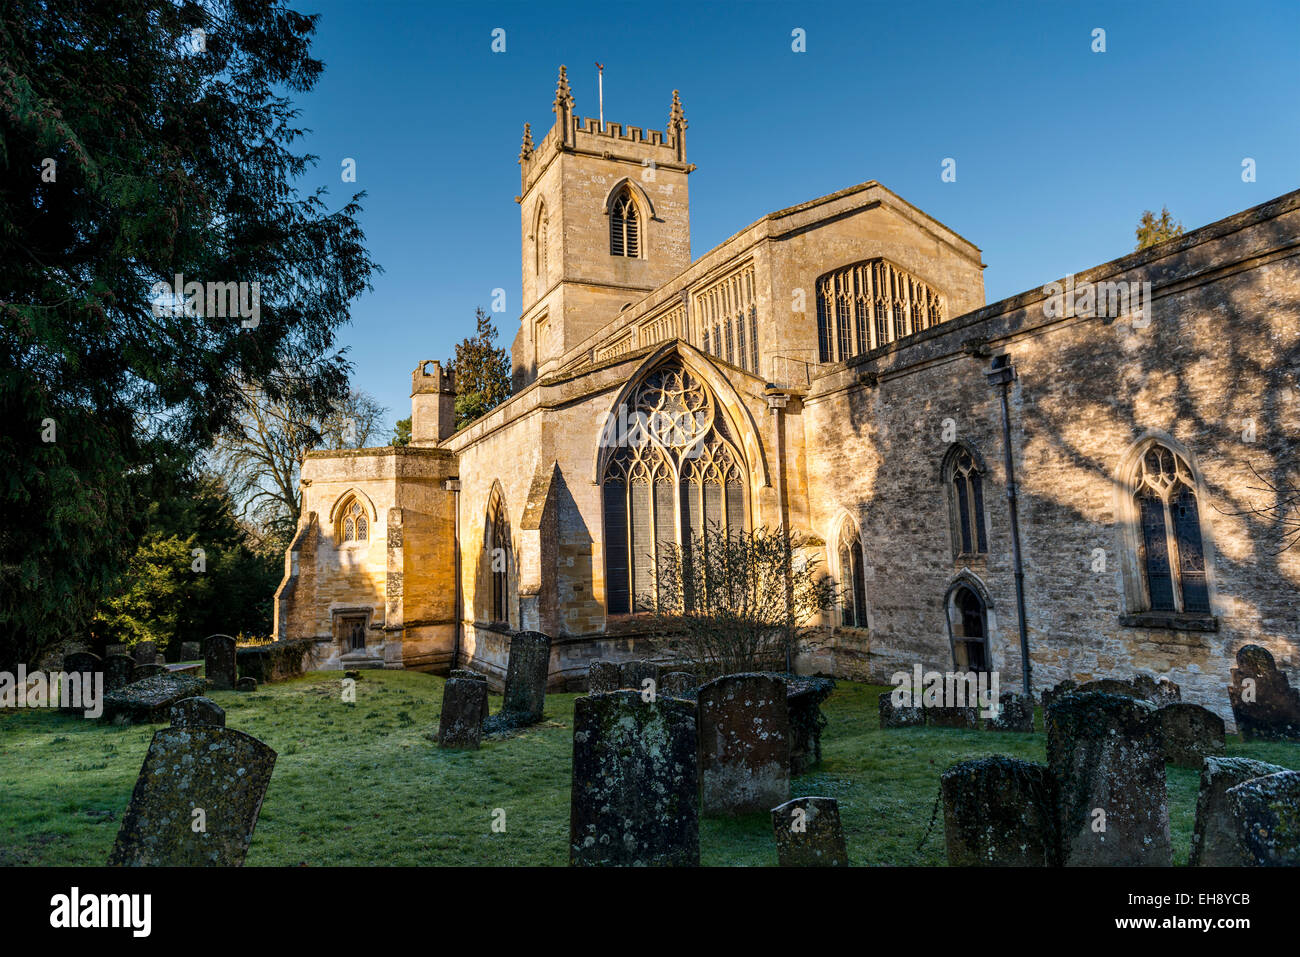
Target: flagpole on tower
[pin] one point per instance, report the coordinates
(600, 86)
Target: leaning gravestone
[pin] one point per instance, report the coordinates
(809, 834)
(198, 712)
(1000, 811)
(744, 744)
(602, 676)
(898, 716)
(145, 653)
(530, 661)
(1190, 733)
(1267, 812)
(219, 661)
(1215, 842)
(1015, 713)
(1106, 753)
(219, 772)
(117, 671)
(632, 674)
(1265, 705)
(635, 793)
(472, 675)
(461, 723)
(191, 650)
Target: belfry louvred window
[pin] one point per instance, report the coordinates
(1172, 555)
(673, 472)
(624, 227)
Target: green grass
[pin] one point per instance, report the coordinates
(365, 784)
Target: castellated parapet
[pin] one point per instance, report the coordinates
(433, 404)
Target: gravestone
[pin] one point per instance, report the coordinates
(803, 701)
(744, 744)
(1159, 692)
(1267, 812)
(219, 772)
(1000, 812)
(1015, 713)
(461, 723)
(635, 791)
(1064, 687)
(602, 676)
(246, 684)
(117, 671)
(84, 666)
(1215, 842)
(1265, 705)
(809, 834)
(678, 683)
(530, 661)
(145, 653)
(150, 699)
(952, 716)
(631, 674)
(472, 675)
(898, 716)
(219, 661)
(1190, 733)
(1106, 753)
(191, 650)
(140, 672)
(82, 662)
(198, 712)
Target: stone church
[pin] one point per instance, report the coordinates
(1079, 476)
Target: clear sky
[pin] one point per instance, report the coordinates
(1058, 149)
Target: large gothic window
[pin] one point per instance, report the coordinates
(497, 544)
(624, 227)
(964, 478)
(870, 304)
(1171, 553)
(674, 472)
(853, 594)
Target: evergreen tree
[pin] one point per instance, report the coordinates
(1151, 230)
(482, 372)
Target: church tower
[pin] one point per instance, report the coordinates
(604, 220)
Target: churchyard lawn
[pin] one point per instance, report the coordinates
(364, 783)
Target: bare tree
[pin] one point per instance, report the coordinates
(737, 602)
(262, 460)
(1283, 509)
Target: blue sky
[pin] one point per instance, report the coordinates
(1058, 149)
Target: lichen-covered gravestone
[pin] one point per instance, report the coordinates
(898, 716)
(198, 712)
(1215, 842)
(1000, 812)
(117, 671)
(140, 672)
(803, 701)
(473, 676)
(219, 661)
(150, 699)
(461, 723)
(1106, 753)
(530, 662)
(196, 801)
(1267, 812)
(635, 792)
(809, 834)
(1015, 713)
(633, 674)
(1265, 705)
(744, 744)
(145, 653)
(1190, 733)
(1063, 687)
(602, 676)
(677, 683)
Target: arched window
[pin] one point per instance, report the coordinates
(540, 239)
(867, 305)
(968, 621)
(353, 526)
(624, 227)
(964, 478)
(497, 544)
(853, 594)
(674, 473)
(1171, 554)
